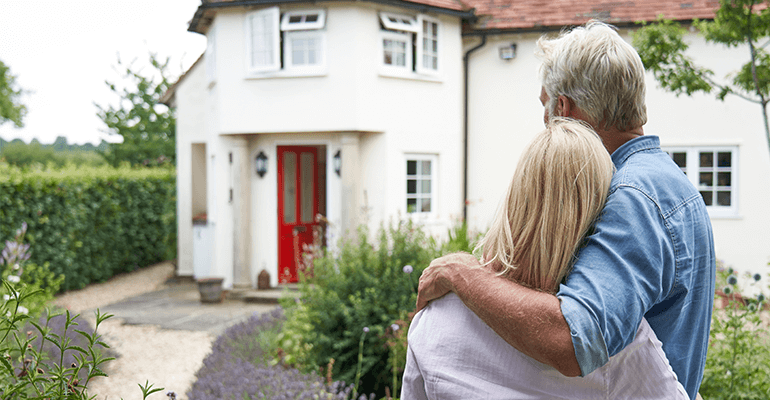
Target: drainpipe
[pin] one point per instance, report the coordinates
(466, 63)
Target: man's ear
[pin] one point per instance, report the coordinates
(564, 106)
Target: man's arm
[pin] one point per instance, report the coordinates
(529, 320)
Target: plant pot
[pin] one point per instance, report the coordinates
(211, 290)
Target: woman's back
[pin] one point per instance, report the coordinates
(453, 354)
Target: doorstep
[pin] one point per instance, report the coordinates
(266, 296)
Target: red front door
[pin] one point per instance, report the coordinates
(297, 206)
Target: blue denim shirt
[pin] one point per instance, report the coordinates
(651, 255)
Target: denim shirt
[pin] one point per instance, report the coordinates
(651, 254)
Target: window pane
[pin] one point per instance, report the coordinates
(311, 18)
(724, 179)
(723, 198)
(680, 159)
(411, 205)
(706, 179)
(425, 168)
(707, 159)
(425, 205)
(411, 167)
(411, 186)
(311, 56)
(425, 187)
(307, 170)
(295, 19)
(724, 159)
(707, 197)
(289, 188)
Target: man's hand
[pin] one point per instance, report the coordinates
(436, 280)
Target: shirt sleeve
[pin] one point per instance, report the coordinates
(624, 269)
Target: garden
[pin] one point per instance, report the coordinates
(344, 338)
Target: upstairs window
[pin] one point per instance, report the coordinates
(713, 172)
(409, 44)
(300, 31)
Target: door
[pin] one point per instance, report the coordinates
(297, 206)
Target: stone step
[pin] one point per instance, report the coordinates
(268, 296)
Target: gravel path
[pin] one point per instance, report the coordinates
(166, 358)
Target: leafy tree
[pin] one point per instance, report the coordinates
(10, 108)
(148, 127)
(737, 23)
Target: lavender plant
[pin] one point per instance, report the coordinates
(238, 367)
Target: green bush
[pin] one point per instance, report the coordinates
(89, 224)
(366, 285)
(738, 360)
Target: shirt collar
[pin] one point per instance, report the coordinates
(641, 143)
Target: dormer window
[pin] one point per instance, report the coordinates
(300, 31)
(409, 44)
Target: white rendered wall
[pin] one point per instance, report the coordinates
(505, 113)
(390, 117)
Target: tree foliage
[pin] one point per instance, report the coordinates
(737, 23)
(11, 110)
(148, 127)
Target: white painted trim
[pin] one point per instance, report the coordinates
(319, 67)
(406, 38)
(303, 25)
(399, 22)
(434, 189)
(273, 14)
(419, 68)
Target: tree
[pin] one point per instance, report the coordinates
(11, 110)
(148, 127)
(736, 23)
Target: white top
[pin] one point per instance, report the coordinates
(453, 354)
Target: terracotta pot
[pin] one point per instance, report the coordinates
(211, 290)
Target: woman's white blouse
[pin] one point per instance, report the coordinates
(453, 354)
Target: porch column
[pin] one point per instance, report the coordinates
(241, 168)
(351, 192)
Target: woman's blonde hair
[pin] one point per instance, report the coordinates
(558, 190)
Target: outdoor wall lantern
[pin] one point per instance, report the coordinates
(337, 163)
(261, 164)
(508, 53)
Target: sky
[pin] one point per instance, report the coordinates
(62, 51)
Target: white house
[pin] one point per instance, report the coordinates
(357, 111)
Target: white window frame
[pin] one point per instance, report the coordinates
(319, 66)
(404, 23)
(433, 185)
(421, 19)
(273, 14)
(397, 36)
(693, 170)
(211, 56)
(303, 25)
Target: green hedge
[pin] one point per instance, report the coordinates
(91, 223)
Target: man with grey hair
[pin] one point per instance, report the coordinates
(651, 253)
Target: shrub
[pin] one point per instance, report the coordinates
(366, 286)
(738, 360)
(90, 224)
(237, 367)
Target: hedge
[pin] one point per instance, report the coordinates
(91, 223)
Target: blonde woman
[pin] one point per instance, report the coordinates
(558, 190)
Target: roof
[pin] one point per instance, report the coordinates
(206, 11)
(516, 15)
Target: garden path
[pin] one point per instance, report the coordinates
(167, 358)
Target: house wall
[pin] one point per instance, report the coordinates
(372, 117)
(505, 113)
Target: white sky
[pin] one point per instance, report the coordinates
(62, 51)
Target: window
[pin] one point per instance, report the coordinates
(713, 172)
(409, 44)
(420, 184)
(303, 41)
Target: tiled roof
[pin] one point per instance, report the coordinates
(539, 14)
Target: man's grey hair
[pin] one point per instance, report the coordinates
(599, 72)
